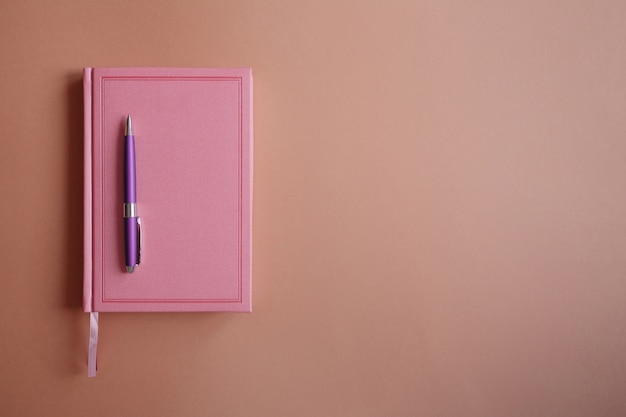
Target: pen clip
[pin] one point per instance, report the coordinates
(139, 240)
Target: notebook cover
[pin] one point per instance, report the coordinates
(193, 143)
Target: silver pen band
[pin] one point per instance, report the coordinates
(130, 210)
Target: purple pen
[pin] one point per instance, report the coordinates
(132, 223)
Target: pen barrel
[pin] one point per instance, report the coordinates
(130, 197)
(130, 183)
(131, 241)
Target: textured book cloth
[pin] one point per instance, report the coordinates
(193, 147)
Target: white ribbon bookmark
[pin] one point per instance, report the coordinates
(93, 344)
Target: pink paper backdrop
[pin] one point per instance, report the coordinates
(439, 222)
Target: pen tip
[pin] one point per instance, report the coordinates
(129, 126)
(130, 269)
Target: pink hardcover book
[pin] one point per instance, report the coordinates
(192, 131)
(193, 147)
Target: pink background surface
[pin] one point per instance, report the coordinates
(439, 222)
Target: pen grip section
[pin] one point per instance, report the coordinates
(131, 239)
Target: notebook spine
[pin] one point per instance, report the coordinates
(88, 189)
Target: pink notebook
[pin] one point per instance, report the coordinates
(193, 145)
